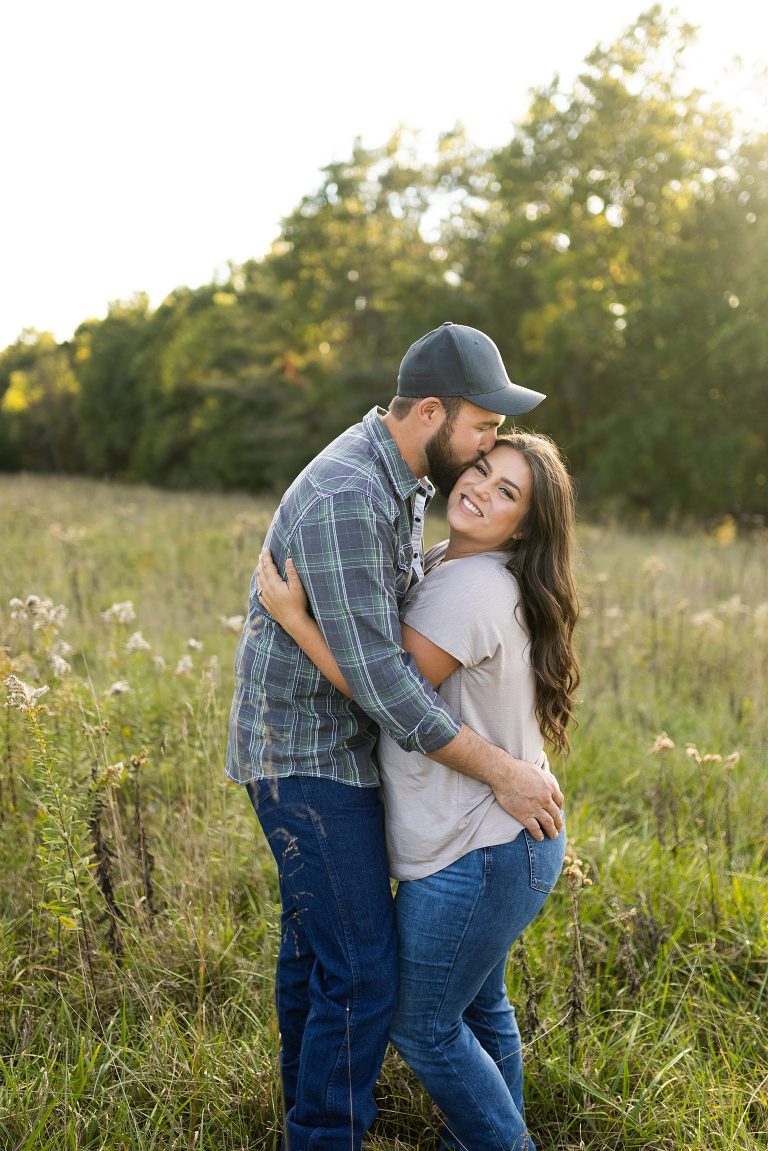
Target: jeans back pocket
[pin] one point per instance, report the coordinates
(545, 858)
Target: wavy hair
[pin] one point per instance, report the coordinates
(541, 562)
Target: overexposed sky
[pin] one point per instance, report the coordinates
(145, 143)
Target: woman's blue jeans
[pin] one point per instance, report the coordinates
(454, 1024)
(336, 981)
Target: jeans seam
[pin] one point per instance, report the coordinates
(467, 925)
(345, 1050)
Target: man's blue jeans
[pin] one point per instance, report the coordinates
(336, 982)
(454, 1024)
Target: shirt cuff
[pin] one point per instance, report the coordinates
(435, 731)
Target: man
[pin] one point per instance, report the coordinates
(352, 524)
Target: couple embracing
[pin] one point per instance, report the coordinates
(389, 721)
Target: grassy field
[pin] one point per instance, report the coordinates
(138, 913)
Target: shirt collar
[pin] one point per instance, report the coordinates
(403, 480)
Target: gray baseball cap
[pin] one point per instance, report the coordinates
(454, 360)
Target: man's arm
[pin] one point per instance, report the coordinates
(349, 557)
(522, 789)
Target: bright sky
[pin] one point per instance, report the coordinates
(147, 142)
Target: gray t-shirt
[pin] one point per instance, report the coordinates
(470, 608)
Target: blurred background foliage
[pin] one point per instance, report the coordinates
(615, 249)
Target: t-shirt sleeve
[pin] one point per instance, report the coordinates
(466, 607)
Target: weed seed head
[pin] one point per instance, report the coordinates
(39, 611)
(21, 696)
(120, 687)
(59, 665)
(233, 623)
(136, 642)
(120, 613)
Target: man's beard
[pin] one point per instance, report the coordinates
(443, 468)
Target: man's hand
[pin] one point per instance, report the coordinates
(524, 790)
(532, 796)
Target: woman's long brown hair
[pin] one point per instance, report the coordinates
(541, 563)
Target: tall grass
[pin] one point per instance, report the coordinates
(138, 902)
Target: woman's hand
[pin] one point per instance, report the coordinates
(284, 599)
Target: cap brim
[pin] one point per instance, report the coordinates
(511, 401)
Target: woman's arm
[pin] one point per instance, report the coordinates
(433, 663)
(286, 602)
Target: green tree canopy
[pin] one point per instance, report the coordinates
(614, 248)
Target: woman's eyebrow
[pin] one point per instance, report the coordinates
(502, 479)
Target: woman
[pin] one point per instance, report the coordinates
(491, 625)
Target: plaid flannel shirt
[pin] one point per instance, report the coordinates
(346, 522)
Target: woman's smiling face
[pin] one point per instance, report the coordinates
(489, 502)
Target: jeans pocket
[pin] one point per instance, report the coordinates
(545, 858)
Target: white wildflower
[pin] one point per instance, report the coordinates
(194, 644)
(120, 687)
(654, 566)
(120, 612)
(232, 622)
(136, 642)
(39, 611)
(185, 665)
(707, 621)
(159, 662)
(21, 695)
(59, 665)
(71, 535)
(733, 607)
(661, 743)
(62, 648)
(20, 607)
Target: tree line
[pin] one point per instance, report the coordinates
(615, 249)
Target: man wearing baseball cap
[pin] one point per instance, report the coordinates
(454, 360)
(351, 522)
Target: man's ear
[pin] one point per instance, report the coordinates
(431, 411)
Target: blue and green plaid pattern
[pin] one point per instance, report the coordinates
(346, 521)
